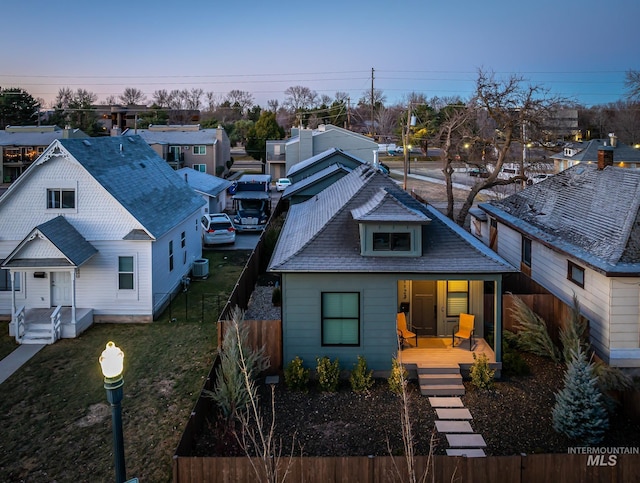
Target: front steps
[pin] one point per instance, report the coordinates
(440, 380)
(37, 333)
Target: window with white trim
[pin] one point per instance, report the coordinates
(200, 150)
(61, 199)
(340, 318)
(126, 273)
(395, 242)
(200, 167)
(457, 297)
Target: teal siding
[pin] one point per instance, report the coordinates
(302, 318)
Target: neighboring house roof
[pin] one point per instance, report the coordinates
(309, 162)
(35, 136)
(587, 151)
(321, 235)
(327, 172)
(60, 233)
(130, 170)
(203, 182)
(589, 214)
(173, 137)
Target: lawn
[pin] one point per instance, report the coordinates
(55, 419)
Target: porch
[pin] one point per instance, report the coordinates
(46, 325)
(435, 355)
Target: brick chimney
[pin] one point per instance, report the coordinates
(605, 157)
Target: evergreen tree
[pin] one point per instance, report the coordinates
(17, 108)
(579, 412)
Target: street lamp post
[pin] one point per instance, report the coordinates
(111, 362)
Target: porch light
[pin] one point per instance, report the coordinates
(111, 362)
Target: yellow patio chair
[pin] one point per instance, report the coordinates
(403, 333)
(465, 330)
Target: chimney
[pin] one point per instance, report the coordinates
(66, 132)
(605, 157)
(375, 158)
(613, 140)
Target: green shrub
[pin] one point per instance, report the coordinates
(296, 377)
(398, 377)
(328, 374)
(514, 365)
(219, 170)
(276, 296)
(481, 375)
(533, 335)
(361, 379)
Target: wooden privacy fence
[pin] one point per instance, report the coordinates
(261, 333)
(566, 468)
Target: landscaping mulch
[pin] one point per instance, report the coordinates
(514, 418)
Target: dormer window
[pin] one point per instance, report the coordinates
(395, 242)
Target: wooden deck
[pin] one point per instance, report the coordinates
(437, 351)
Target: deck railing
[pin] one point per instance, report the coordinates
(55, 323)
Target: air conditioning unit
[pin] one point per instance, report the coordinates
(200, 268)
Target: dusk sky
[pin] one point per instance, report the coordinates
(577, 49)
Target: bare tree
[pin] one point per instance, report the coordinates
(192, 98)
(132, 96)
(632, 84)
(512, 108)
(240, 100)
(273, 105)
(161, 98)
(211, 101)
(299, 98)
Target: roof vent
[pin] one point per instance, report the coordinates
(86, 142)
(142, 165)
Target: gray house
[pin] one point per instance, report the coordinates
(212, 189)
(362, 250)
(304, 143)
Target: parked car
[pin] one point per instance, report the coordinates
(282, 184)
(480, 172)
(537, 178)
(217, 229)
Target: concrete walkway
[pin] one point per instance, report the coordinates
(17, 358)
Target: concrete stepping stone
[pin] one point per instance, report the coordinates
(468, 452)
(453, 427)
(446, 402)
(455, 413)
(466, 440)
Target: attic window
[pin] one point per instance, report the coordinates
(61, 199)
(395, 242)
(575, 273)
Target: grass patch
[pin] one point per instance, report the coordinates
(55, 417)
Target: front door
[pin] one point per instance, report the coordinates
(60, 288)
(423, 308)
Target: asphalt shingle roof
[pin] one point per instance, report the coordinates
(320, 234)
(590, 214)
(203, 182)
(187, 137)
(145, 185)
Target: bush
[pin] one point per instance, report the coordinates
(481, 375)
(533, 335)
(361, 379)
(276, 296)
(328, 374)
(296, 377)
(514, 365)
(398, 377)
(219, 170)
(579, 412)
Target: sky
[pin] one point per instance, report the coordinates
(578, 50)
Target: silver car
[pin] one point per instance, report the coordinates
(217, 229)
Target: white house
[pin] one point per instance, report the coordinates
(212, 189)
(98, 229)
(578, 233)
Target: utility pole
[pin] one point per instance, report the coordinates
(372, 105)
(349, 113)
(405, 146)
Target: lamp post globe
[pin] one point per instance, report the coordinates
(111, 363)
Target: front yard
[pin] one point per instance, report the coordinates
(55, 419)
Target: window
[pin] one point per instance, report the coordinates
(183, 239)
(526, 251)
(171, 256)
(61, 199)
(199, 150)
(125, 273)
(5, 280)
(341, 318)
(200, 167)
(575, 273)
(457, 297)
(392, 242)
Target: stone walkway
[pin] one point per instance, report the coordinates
(454, 421)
